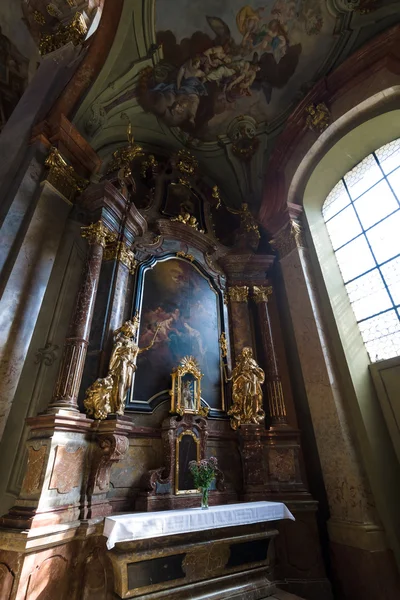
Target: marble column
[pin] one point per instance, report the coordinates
(74, 354)
(240, 319)
(109, 312)
(273, 383)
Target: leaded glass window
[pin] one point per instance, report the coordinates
(362, 215)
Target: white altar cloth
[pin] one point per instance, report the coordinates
(139, 526)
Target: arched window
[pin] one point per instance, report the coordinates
(362, 215)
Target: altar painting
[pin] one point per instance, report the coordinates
(225, 59)
(179, 300)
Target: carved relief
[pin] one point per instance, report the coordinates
(67, 469)
(48, 580)
(34, 470)
(47, 355)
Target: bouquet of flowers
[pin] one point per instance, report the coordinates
(203, 473)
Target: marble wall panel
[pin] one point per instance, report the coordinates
(6, 581)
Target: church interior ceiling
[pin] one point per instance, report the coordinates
(219, 79)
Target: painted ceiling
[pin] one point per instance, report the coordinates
(223, 59)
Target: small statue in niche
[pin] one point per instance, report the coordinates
(108, 395)
(187, 396)
(247, 395)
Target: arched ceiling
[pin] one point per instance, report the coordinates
(204, 74)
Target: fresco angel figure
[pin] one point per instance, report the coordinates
(248, 22)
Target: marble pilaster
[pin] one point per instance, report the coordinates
(276, 401)
(349, 496)
(240, 318)
(24, 286)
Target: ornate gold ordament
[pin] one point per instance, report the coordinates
(319, 117)
(185, 163)
(188, 219)
(122, 158)
(62, 176)
(182, 254)
(261, 293)
(238, 293)
(74, 32)
(247, 378)
(186, 388)
(98, 233)
(288, 238)
(107, 395)
(120, 251)
(223, 345)
(149, 163)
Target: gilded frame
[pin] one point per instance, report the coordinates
(198, 455)
(187, 366)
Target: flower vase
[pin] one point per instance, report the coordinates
(204, 497)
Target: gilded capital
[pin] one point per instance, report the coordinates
(288, 238)
(98, 233)
(261, 293)
(62, 176)
(120, 251)
(238, 293)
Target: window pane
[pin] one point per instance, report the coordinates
(391, 273)
(389, 156)
(368, 295)
(385, 238)
(394, 180)
(344, 227)
(337, 199)
(384, 348)
(379, 326)
(363, 176)
(376, 204)
(355, 258)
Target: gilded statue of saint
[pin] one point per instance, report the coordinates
(247, 378)
(108, 395)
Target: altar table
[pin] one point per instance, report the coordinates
(140, 526)
(220, 552)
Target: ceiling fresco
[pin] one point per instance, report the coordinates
(222, 59)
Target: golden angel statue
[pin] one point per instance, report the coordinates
(108, 395)
(247, 395)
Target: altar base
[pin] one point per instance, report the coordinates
(226, 563)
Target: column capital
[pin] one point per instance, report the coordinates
(62, 176)
(289, 237)
(261, 293)
(238, 293)
(98, 233)
(121, 252)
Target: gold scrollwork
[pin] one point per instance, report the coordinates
(223, 345)
(74, 32)
(123, 254)
(98, 233)
(182, 254)
(62, 176)
(185, 162)
(261, 293)
(238, 293)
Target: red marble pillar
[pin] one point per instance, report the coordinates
(240, 320)
(277, 408)
(70, 376)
